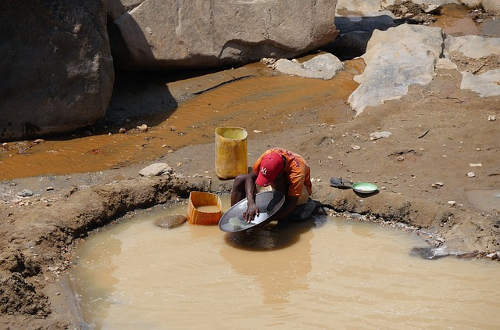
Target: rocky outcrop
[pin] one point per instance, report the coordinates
(56, 67)
(483, 78)
(192, 34)
(395, 59)
(409, 54)
(56, 59)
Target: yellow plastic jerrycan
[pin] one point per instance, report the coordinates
(230, 152)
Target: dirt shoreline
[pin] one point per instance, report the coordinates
(437, 131)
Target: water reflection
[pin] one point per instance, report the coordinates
(277, 273)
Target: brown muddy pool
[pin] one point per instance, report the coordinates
(325, 273)
(456, 20)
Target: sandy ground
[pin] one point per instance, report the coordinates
(439, 134)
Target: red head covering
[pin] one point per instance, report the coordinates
(270, 165)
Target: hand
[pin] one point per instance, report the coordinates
(251, 213)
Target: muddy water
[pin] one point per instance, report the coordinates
(325, 273)
(455, 20)
(260, 103)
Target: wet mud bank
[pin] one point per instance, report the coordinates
(37, 242)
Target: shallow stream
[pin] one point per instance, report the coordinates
(322, 274)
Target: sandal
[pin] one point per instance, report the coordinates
(340, 183)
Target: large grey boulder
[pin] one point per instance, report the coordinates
(396, 59)
(210, 33)
(361, 7)
(56, 67)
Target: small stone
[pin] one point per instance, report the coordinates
(492, 117)
(433, 9)
(156, 170)
(172, 221)
(437, 184)
(25, 193)
(378, 135)
(493, 255)
(475, 164)
(451, 203)
(400, 158)
(471, 174)
(268, 60)
(122, 130)
(355, 147)
(49, 188)
(37, 141)
(143, 128)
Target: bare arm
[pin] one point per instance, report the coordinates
(252, 209)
